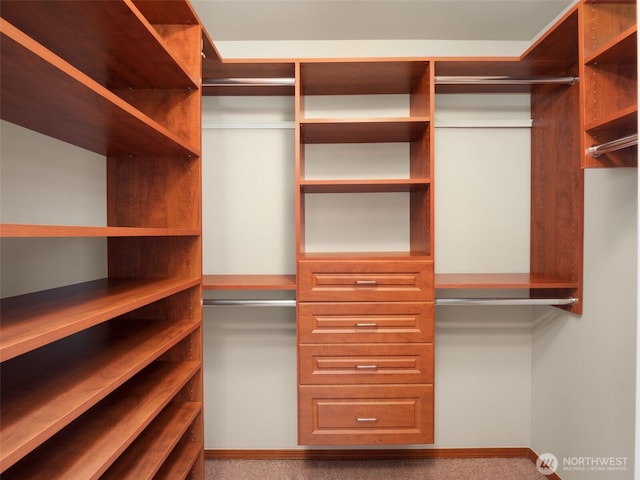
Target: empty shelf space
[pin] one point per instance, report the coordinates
(361, 78)
(77, 452)
(249, 282)
(500, 281)
(620, 50)
(11, 230)
(33, 320)
(69, 385)
(42, 92)
(379, 130)
(150, 450)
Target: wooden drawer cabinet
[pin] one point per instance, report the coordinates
(341, 322)
(365, 414)
(366, 363)
(365, 280)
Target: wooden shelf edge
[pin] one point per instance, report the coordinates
(622, 43)
(15, 230)
(374, 256)
(614, 120)
(358, 186)
(181, 461)
(248, 282)
(33, 320)
(500, 281)
(38, 413)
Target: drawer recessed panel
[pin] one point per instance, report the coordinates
(365, 280)
(366, 364)
(347, 322)
(334, 415)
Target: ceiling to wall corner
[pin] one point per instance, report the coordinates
(340, 20)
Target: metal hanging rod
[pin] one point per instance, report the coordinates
(597, 150)
(207, 302)
(211, 302)
(506, 301)
(248, 82)
(502, 80)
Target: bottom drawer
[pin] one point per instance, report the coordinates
(365, 414)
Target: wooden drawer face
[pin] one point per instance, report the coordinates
(365, 322)
(365, 415)
(365, 280)
(366, 364)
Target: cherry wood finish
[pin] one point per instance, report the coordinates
(610, 76)
(366, 414)
(249, 282)
(99, 373)
(364, 322)
(355, 331)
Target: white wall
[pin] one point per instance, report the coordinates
(43, 180)
(483, 355)
(583, 393)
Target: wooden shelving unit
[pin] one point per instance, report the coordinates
(610, 81)
(340, 396)
(121, 394)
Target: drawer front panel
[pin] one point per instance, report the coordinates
(366, 364)
(364, 415)
(365, 280)
(365, 322)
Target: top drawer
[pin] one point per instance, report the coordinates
(365, 280)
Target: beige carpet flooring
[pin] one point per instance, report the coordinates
(395, 469)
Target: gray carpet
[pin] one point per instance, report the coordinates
(396, 469)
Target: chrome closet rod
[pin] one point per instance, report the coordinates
(597, 150)
(209, 302)
(502, 80)
(214, 302)
(439, 80)
(506, 301)
(248, 82)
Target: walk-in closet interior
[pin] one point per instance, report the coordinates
(212, 248)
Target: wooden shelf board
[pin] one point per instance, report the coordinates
(363, 256)
(167, 12)
(42, 92)
(361, 186)
(113, 44)
(249, 282)
(151, 449)
(181, 461)
(345, 77)
(12, 230)
(77, 452)
(348, 130)
(499, 281)
(620, 50)
(625, 120)
(39, 410)
(32, 320)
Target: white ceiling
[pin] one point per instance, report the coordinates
(313, 20)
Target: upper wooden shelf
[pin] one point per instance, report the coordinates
(620, 122)
(363, 186)
(621, 50)
(114, 43)
(378, 130)
(248, 282)
(12, 230)
(32, 320)
(499, 281)
(42, 92)
(353, 77)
